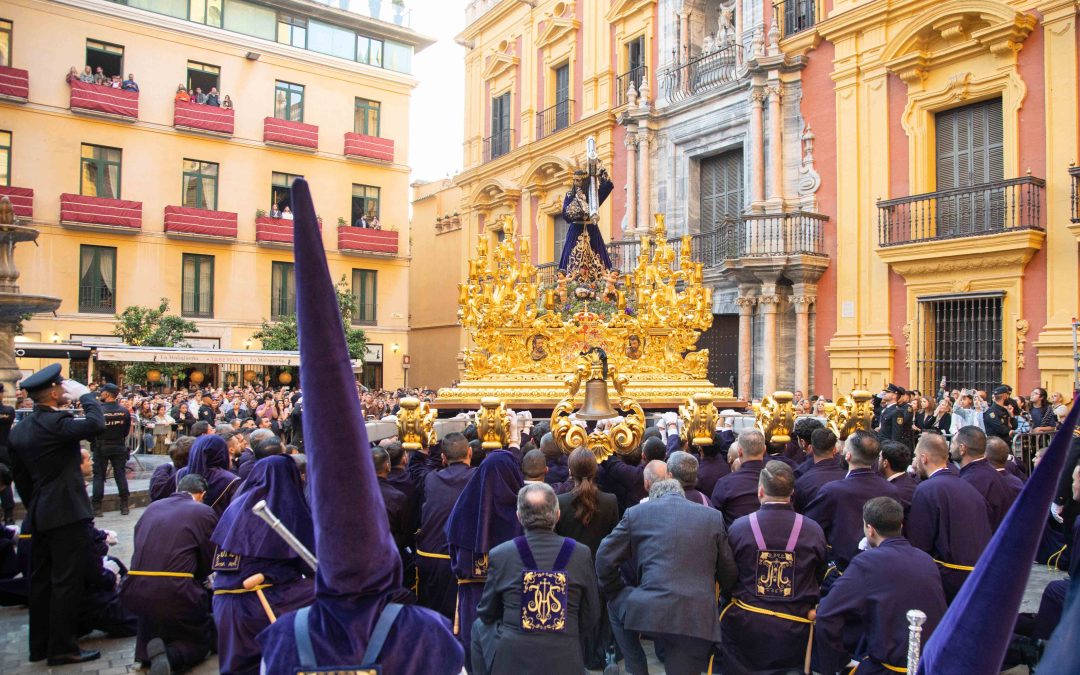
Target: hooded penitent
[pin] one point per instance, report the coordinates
(210, 459)
(484, 516)
(359, 570)
(975, 631)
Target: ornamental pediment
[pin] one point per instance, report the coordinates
(498, 63)
(623, 9)
(556, 29)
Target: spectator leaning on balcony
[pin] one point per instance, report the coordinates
(72, 75)
(182, 95)
(227, 103)
(199, 96)
(361, 222)
(130, 84)
(87, 75)
(115, 82)
(100, 77)
(213, 98)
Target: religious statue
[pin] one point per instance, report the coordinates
(726, 26)
(584, 255)
(610, 292)
(538, 352)
(7, 211)
(708, 45)
(560, 287)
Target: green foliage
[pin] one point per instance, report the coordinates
(23, 318)
(281, 335)
(152, 327)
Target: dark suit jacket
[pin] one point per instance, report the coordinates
(499, 645)
(603, 521)
(46, 457)
(682, 603)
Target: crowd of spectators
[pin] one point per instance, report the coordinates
(197, 95)
(99, 77)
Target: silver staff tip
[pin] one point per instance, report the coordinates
(914, 616)
(260, 506)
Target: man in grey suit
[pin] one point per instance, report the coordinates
(540, 596)
(678, 568)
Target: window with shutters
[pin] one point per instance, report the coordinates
(969, 153)
(282, 290)
(364, 289)
(198, 286)
(562, 96)
(500, 126)
(559, 237)
(722, 195)
(960, 339)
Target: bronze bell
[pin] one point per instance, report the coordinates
(596, 405)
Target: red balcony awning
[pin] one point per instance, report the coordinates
(100, 211)
(97, 98)
(201, 117)
(22, 200)
(296, 134)
(14, 83)
(200, 222)
(372, 147)
(273, 230)
(364, 240)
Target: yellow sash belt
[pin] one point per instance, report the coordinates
(177, 575)
(425, 554)
(767, 612)
(952, 566)
(230, 591)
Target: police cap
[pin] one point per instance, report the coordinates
(46, 377)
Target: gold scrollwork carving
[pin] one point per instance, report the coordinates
(699, 417)
(416, 424)
(850, 414)
(491, 424)
(775, 417)
(622, 438)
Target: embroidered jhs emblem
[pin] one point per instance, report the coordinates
(480, 566)
(543, 601)
(774, 570)
(225, 561)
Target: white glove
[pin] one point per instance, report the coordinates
(670, 418)
(1055, 512)
(110, 537)
(74, 390)
(110, 564)
(864, 544)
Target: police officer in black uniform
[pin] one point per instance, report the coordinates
(7, 499)
(997, 420)
(904, 426)
(45, 460)
(891, 417)
(110, 448)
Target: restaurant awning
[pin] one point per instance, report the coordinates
(50, 350)
(243, 357)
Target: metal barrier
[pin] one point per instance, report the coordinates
(1026, 445)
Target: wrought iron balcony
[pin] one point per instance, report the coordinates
(702, 74)
(794, 16)
(555, 118)
(498, 144)
(1074, 171)
(622, 83)
(990, 208)
(545, 273)
(762, 235)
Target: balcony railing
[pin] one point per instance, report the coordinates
(794, 16)
(498, 144)
(990, 208)
(555, 118)
(96, 300)
(14, 84)
(1074, 171)
(702, 74)
(762, 236)
(364, 240)
(622, 83)
(545, 273)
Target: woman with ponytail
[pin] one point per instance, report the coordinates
(587, 515)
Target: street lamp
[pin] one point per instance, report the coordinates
(247, 343)
(56, 338)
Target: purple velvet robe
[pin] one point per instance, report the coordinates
(878, 603)
(815, 476)
(172, 535)
(985, 478)
(735, 495)
(437, 585)
(710, 470)
(949, 521)
(162, 481)
(744, 651)
(838, 509)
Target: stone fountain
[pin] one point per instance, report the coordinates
(13, 302)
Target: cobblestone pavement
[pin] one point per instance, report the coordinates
(117, 655)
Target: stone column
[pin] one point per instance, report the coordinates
(757, 149)
(768, 305)
(644, 186)
(802, 341)
(776, 146)
(746, 344)
(684, 35)
(631, 142)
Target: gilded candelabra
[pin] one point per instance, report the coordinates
(416, 424)
(699, 417)
(850, 414)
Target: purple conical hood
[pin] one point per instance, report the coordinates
(975, 631)
(357, 555)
